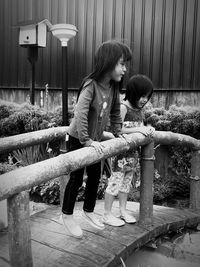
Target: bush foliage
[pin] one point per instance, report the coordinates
(183, 120)
(18, 119)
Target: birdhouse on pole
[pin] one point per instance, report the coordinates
(33, 35)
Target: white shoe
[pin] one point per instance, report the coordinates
(71, 226)
(128, 218)
(112, 220)
(93, 220)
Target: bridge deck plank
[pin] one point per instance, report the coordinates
(52, 246)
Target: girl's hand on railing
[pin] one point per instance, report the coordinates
(107, 136)
(147, 131)
(151, 131)
(97, 146)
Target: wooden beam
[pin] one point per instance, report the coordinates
(24, 178)
(195, 181)
(19, 230)
(146, 188)
(170, 138)
(8, 144)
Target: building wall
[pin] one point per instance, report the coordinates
(163, 34)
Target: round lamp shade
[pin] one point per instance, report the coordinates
(64, 32)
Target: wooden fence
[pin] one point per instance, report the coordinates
(14, 184)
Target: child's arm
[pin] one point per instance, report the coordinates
(145, 130)
(107, 136)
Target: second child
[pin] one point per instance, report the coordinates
(139, 90)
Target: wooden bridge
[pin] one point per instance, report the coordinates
(52, 246)
(41, 240)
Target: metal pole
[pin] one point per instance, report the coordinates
(64, 86)
(32, 57)
(32, 91)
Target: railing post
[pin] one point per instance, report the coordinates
(19, 230)
(195, 181)
(146, 187)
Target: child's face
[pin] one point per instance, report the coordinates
(142, 101)
(119, 70)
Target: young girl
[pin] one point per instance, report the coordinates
(98, 100)
(138, 92)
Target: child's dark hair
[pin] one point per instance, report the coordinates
(138, 86)
(106, 58)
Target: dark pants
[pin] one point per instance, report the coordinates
(76, 180)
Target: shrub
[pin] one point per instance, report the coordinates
(184, 120)
(17, 119)
(6, 167)
(48, 192)
(26, 118)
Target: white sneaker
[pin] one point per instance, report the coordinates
(93, 220)
(128, 218)
(112, 220)
(71, 226)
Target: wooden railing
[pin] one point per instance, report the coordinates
(14, 184)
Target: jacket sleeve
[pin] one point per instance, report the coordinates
(115, 117)
(81, 114)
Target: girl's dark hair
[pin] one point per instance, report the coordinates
(138, 86)
(106, 58)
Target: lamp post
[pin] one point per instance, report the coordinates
(64, 32)
(32, 57)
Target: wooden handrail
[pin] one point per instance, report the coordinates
(13, 184)
(171, 138)
(8, 144)
(24, 178)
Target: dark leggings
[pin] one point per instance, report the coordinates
(76, 180)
